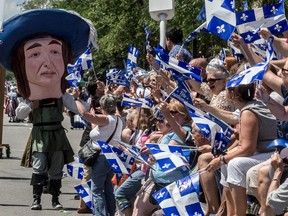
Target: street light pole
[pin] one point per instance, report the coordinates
(162, 10)
(162, 18)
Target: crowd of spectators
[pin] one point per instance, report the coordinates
(248, 170)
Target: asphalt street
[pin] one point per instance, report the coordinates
(15, 189)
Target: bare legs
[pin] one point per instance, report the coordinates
(209, 184)
(239, 199)
(226, 202)
(263, 186)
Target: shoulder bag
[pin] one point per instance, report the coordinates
(89, 153)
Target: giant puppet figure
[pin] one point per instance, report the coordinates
(37, 45)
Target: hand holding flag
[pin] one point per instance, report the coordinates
(181, 197)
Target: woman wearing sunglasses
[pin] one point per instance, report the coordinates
(176, 118)
(214, 87)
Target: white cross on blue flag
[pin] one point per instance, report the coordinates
(133, 54)
(84, 62)
(182, 93)
(75, 169)
(84, 191)
(220, 17)
(137, 102)
(135, 151)
(117, 76)
(128, 160)
(182, 67)
(271, 17)
(253, 73)
(181, 197)
(192, 35)
(115, 162)
(215, 130)
(167, 160)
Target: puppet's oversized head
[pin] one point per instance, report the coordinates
(38, 44)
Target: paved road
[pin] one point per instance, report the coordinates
(15, 190)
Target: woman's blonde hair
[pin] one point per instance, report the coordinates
(175, 105)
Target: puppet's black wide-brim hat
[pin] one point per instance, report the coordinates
(68, 25)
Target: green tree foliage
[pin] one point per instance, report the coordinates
(9, 75)
(120, 23)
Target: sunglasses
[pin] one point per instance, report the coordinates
(212, 81)
(160, 121)
(284, 71)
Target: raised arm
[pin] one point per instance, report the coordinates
(277, 109)
(246, 50)
(279, 44)
(273, 81)
(90, 116)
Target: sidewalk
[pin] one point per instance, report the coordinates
(15, 191)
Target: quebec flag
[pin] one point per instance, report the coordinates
(75, 169)
(115, 162)
(271, 17)
(201, 28)
(220, 17)
(182, 93)
(137, 102)
(84, 62)
(133, 54)
(167, 160)
(116, 76)
(181, 197)
(181, 67)
(84, 191)
(253, 73)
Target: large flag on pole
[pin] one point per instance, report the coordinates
(220, 17)
(2, 7)
(271, 17)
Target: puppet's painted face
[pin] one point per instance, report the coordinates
(44, 63)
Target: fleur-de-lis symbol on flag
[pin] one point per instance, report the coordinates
(244, 17)
(274, 10)
(278, 27)
(220, 29)
(248, 38)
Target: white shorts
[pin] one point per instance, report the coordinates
(235, 172)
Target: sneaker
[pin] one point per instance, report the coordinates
(36, 204)
(57, 205)
(36, 207)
